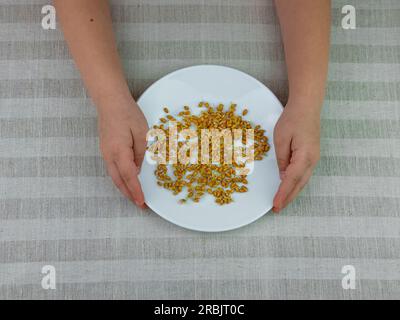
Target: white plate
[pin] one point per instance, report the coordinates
(215, 84)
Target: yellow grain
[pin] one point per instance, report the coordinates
(218, 180)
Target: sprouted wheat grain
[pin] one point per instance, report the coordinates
(218, 180)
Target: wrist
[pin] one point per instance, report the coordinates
(306, 103)
(310, 97)
(304, 109)
(114, 102)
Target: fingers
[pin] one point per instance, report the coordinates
(299, 187)
(293, 175)
(296, 177)
(129, 174)
(139, 149)
(282, 151)
(119, 183)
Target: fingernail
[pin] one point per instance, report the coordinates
(282, 174)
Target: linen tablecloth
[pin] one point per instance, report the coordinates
(59, 208)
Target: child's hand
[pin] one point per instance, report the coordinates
(297, 146)
(122, 131)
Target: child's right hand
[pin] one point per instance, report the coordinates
(122, 132)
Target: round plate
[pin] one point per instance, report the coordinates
(214, 84)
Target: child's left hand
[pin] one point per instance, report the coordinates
(297, 147)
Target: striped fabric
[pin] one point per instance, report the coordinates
(58, 207)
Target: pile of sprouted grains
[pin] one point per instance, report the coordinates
(219, 179)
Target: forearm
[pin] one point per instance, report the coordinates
(88, 31)
(305, 27)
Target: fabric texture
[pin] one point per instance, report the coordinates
(58, 207)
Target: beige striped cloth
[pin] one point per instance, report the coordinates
(59, 208)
